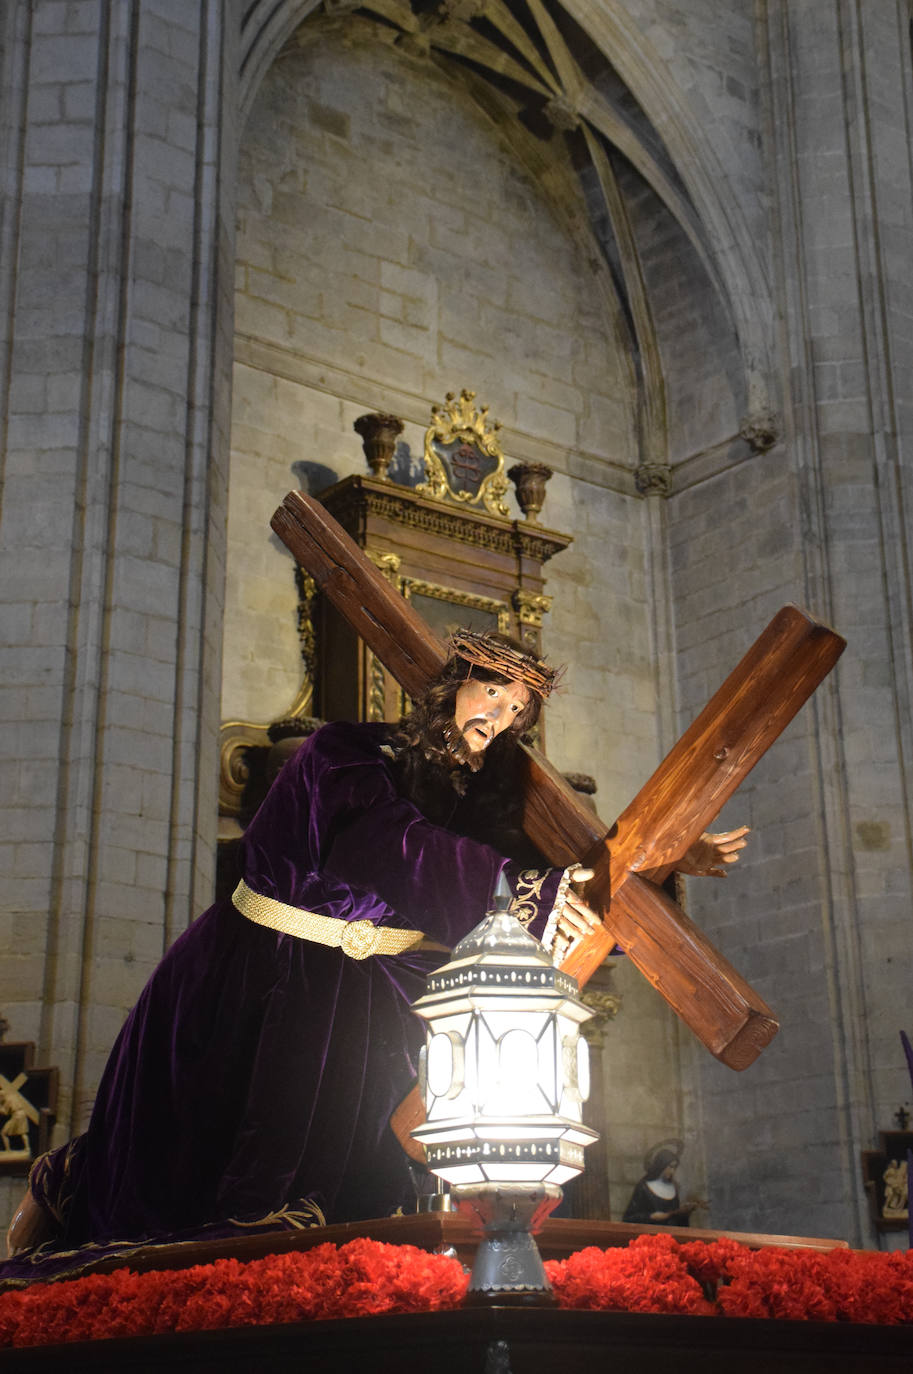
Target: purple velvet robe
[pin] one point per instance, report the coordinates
(258, 1068)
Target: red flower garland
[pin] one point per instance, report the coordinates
(362, 1278)
(838, 1285)
(649, 1275)
(653, 1274)
(658, 1274)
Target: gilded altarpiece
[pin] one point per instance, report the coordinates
(457, 566)
(448, 545)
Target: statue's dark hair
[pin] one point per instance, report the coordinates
(436, 766)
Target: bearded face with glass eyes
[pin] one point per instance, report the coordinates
(485, 707)
(453, 725)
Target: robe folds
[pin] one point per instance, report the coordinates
(259, 1068)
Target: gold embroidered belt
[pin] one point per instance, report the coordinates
(357, 939)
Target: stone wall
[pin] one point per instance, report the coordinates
(818, 915)
(693, 71)
(709, 52)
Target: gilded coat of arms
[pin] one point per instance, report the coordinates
(463, 457)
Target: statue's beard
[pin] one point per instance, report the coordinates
(458, 748)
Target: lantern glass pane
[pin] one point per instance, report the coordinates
(439, 1066)
(561, 1173)
(516, 1173)
(486, 1060)
(583, 1068)
(548, 1067)
(461, 1173)
(527, 1018)
(580, 1135)
(518, 1073)
(456, 1107)
(530, 1129)
(443, 1135)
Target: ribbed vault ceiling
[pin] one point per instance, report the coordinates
(537, 73)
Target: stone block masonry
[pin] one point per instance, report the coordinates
(100, 540)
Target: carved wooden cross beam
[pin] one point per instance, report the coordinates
(753, 706)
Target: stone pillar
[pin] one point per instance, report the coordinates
(115, 335)
(840, 81)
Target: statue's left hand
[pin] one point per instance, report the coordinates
(707, 854)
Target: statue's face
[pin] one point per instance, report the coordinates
(484, 709)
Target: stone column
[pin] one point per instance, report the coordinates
(840, 90)
(118, 130)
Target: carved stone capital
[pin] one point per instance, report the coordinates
(760, 430)
(653, 479)
(414, 44)
(605, 1007)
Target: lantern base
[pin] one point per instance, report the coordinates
(508, 1267)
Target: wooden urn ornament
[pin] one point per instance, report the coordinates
(379, 434)
(529, 480)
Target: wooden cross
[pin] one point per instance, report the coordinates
(630, 858)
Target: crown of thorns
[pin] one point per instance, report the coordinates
(485, 652)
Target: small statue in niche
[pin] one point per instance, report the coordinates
(18, 1112)
(896, 1194)
(655, 1200)
(28, 1097)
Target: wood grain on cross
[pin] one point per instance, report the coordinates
(753, 706)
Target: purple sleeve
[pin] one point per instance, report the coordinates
(336, 809)
(53, 1176)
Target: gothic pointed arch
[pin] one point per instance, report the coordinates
(583, 80)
